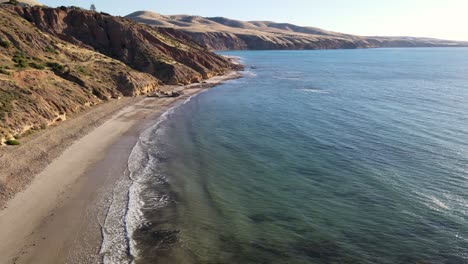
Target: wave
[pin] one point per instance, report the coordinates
(125, 214)
(235, 59)
(315, 90)
(249, 74)
(433, 202)
(114, 245)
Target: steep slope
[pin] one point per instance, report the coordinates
(220, 33)
(142, 47)
(43, 79)
(57, 62)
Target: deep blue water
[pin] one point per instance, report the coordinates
(343, 156)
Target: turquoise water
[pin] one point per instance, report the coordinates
(344, 156)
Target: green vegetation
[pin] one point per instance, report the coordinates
(3, 70)
(36, 65)
(12, 142)
(6, 101)
(20, 59)
(27, 133)
(13, 2)
(82, 70)
(51, 49)
(4, 43)
(56, 67)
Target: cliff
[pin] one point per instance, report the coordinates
(218, 33)
(57, 62)
(142, 47)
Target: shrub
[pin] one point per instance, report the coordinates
(6, 101)
(13, 2)
(35, 65)
(27, 133)
(51, 49)
(21, 64)
(55, 66)
(20, 59)
(3, 70)
(82, 70)
(5, 44)
(12, 142)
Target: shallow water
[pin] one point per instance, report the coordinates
(345, 156)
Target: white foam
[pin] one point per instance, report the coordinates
(434, 203)
(125, 213)
(114, 247)
(234, 59)
(249, 74)
(319, 91)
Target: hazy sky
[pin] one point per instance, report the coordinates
(447, 19)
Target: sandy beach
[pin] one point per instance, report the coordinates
(57, 216)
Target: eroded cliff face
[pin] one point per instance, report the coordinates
(166, 57)
(57, 62)
(219, 33)
(240, 41)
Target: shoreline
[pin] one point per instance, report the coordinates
(75, 189)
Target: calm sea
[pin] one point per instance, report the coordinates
(343, 156)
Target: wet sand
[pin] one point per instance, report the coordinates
(58, 217)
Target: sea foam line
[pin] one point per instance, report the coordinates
(125, 214)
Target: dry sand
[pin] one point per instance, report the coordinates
(57, 218)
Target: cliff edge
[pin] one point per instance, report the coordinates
(219, 33)
(55, 62)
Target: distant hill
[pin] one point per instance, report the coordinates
(28, 2)
(56, 62)
(219, 33)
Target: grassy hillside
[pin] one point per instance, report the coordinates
(50, 68)
(222, 33)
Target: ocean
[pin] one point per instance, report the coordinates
(331, 156)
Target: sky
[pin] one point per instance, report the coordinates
(445, 19)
